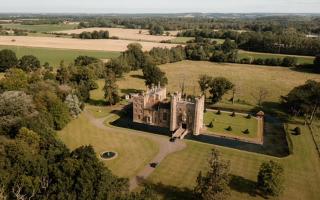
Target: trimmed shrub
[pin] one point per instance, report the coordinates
(229, 128)
(218, 112)
(211, 125)
(246, 131)
(297, 131)
(248, 116)
(233, 114)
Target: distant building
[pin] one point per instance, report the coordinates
(180, 115)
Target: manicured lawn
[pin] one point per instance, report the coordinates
(54, 56)
(42, 27)
(134, 152)
(239, 124)
(98, 111)
(302, 169)
(255, 55)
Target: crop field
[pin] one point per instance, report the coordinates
(126, 34)
(238, 123)
(42, 27)
(255, 55)
(68, 43)
(248, 79)
(54, 56)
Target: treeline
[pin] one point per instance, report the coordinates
(288, 41)
(35, 102)
(93, 35)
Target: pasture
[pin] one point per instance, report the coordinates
(248, 80)
(78, 44)
(54, 56)
(255, 55)
(41, 28)
(126, 34)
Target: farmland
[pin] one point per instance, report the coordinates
(54, 56)
(126, 34)
(67, 43)
(41, 28)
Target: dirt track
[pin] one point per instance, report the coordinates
(67, 43)
(131, 34)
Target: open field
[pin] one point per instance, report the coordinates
(42, 27)
(68, 43)
(302, 169)
(255, 55)
(134, 152)
(122, 33)
(239, 124)
(181, 40)
(247, 78)
(54, 56)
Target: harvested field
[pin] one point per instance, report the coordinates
(67, 43)
(128, 34)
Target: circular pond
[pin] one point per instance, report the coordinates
(108, 155)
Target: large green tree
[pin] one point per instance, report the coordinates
(29, 63)
(110, 88)
(153, 76)
(214, 184)
(14, 79)
(271, 178)
(218, 87)
(8, 59)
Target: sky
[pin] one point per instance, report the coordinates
(160, 6)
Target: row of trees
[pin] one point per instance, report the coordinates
(214, 184)
(8, 59)
(287, 41)
(94, 35)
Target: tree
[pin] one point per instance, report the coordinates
(317, 60)
(156, 30)
(111, 89)
(118, 66)
(261, 95)
(218, 87)
(16, 108)
(85, 60)
(271, 178)
(73, 104)
(289, 61)
(8, 59)
(304, 100)
(214, 184)
(153, 76)
(14, 79)
(204, 83)
(228, 46)
(29, 63)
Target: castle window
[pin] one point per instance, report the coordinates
(139, 117)
(165, 117)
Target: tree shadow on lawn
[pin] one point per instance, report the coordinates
(171, 192)
(130, 91)
(243, 185)
(137, 76)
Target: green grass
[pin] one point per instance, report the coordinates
(134, 152)
(54, 56)
(181, 40)
(316, 133)
(239, 123)
(302, 169)
(255, 55)
(42, 27)
(98, 111)
(248, 80)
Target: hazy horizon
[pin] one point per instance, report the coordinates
(163, 6)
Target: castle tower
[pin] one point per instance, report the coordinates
(173, 117)
(198, 115)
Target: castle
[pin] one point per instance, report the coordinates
(180, 115)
